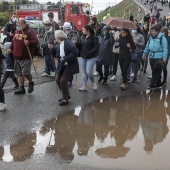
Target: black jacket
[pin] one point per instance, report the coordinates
(89, 46)
(9, 27)
(124, 50)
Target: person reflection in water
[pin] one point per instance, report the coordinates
(85, 130)
(23, 149)
(65, 136)
(154, 123)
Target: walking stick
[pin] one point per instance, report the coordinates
(31, 58)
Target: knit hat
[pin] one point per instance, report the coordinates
(67, 26)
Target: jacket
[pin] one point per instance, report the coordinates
(47, 38)
(9, 61)
(71, 54)
(18, 46)
(9, 27)
(155, 48)
(89, 46)
(140, 42)
(125, 52)
(105, 50)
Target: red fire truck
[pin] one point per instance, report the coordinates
(68, 12)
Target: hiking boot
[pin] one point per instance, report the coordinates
(83, 88)
(63, 102)
(62, 99)
(21, 90)
(2, 106)
(124, 86)
(100, 79)
(31, 87)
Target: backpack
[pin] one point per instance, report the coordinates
(37, 50)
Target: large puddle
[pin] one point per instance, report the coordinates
(128, 132)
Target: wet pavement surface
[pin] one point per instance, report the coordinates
(126, 132)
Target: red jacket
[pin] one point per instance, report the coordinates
(18, 46)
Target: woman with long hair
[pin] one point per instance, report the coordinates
(126, 44)
(89, 48)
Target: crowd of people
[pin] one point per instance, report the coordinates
(99, 45)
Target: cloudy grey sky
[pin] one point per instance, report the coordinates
(97, 4)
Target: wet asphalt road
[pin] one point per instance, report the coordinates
(27, 113)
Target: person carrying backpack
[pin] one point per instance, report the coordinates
(157, 50)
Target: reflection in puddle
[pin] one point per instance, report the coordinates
(114, 132)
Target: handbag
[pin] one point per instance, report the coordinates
(134, 56)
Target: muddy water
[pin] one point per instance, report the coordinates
(128, 132)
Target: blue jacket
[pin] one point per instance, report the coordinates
(9, 61)
(71, 54)
(155, 48)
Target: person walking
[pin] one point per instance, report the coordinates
(157, 49)
(126, 44)
(2, 97)
(48, 38)
(67, 54)
(164, 30)
(10, 27)
(23, 39)
(89, 46)
(105, 54)
(9, 67)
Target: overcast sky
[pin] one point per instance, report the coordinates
(97, 4)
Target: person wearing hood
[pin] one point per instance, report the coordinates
(10, 27)
(24, 38)
(157, 49)
(139, 41)
(105, 54)
(48, 38)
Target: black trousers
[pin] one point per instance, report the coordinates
(115, 62)
(165, 72)
(62, 82)
(100, 70)
(124, 64)
(11, 75)
(2, 97)
(156, 67)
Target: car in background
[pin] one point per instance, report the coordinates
(3, 37)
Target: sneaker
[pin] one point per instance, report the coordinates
(45, 75)
(124, 86)
(100, 79)
(134, 80)
(30, 87)
(94, 86)
(21, 90)
(96, 73)
(83, 89)
(2, 106)
(132, 75)
(63, 102)
(62, 99)
(163, 83)
(150, 77)
(104, 82)
(113, 78)
(138, 73)
(53, 74)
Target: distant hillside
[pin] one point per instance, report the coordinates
(121, 10)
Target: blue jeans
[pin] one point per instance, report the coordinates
(87, 66)
(49, 64)
(136, 66)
